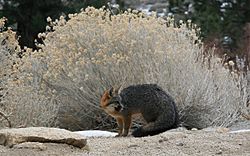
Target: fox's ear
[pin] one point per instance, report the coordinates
(118, 89)
(114, 91)
(111, 91)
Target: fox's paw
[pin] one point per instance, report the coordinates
(118, 135)
(137, 132)
(121, 135)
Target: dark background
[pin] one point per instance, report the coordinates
(225, 24)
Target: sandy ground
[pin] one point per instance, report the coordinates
(174, 143)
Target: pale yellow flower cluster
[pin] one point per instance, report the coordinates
(2, 22)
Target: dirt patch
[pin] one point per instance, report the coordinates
(169, 143)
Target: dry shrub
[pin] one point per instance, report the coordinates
(22, 99)
(8, 56)
(95, 50)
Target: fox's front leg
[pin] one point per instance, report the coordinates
(120, 126)
(127, 125)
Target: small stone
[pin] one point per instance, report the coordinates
(219, 152)
(222, 130)
(179, 144)
(131, 146)
(163, 139)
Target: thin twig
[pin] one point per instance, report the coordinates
(5, 117)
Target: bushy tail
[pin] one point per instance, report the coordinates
(161, 125)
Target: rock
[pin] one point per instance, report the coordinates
(14, 136)
(31, 145)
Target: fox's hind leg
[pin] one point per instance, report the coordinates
(163, 123)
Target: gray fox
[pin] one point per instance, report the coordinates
(155, 105)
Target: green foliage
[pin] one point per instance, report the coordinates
(217, 18)
(207, 15)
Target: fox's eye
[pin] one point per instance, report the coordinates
(118, 108)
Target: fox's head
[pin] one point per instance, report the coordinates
(111, 101)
